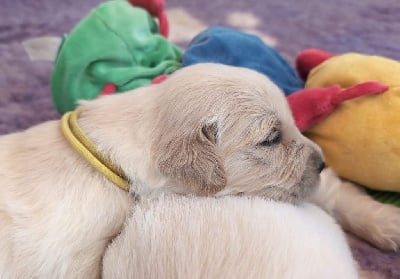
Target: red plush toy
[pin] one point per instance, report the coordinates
(311, 105)
(310, 58)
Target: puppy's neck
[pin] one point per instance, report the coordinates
(120, 127)
(85, 147)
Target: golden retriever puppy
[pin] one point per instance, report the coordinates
(207, 130)
(229, 237)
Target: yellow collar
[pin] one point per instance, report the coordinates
(81, 143)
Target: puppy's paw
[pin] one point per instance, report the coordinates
(384, 228)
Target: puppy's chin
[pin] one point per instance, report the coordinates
(300, 191)
(296, 194)
(304, 189)
(307, 183)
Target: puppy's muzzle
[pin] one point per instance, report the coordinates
(311, 176)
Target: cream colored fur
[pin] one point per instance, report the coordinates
(229, 237)
(207, 130)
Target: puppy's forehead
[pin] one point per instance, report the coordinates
(212, 72)
(235, 89)
(230, 80)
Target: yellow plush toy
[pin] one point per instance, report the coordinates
(361, 138)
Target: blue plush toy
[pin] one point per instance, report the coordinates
(232, 47)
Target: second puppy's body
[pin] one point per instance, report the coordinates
(228, 237)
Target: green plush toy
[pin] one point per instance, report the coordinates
(361, 138)
(116, 47)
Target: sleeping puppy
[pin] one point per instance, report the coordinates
(207, 130)
(229, 237)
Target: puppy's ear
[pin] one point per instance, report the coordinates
(191, 160)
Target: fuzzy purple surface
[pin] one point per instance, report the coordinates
(367, 26)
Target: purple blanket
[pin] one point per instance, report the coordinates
(367, 26)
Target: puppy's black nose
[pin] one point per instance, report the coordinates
(321, 166)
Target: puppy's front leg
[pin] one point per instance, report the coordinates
(357, 212)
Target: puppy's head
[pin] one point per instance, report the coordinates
(227, 130)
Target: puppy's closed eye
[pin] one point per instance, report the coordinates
(274, 137)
